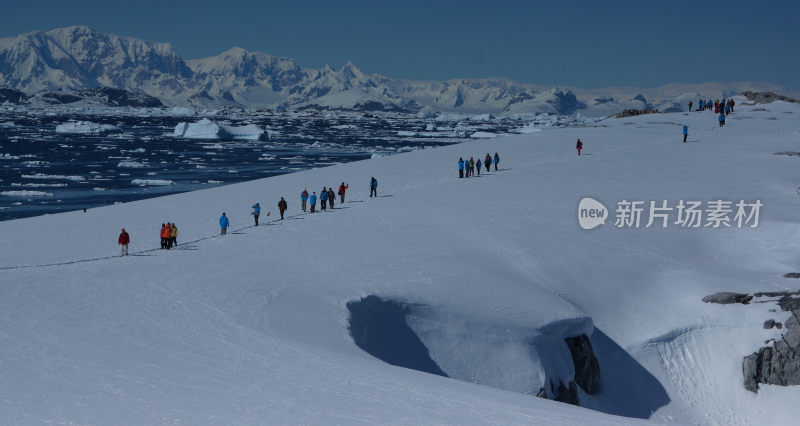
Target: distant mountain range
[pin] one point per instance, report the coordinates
(67, 61)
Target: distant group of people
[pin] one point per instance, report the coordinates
(725, 106)
(466, 168)
(169, 235)
(327, 198)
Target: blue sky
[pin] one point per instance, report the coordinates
(579, 43)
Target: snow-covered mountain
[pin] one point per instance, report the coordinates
(78, 57)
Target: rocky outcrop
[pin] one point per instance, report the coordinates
(767, 97)
(726, 298)
(587, 368)
(778, 364)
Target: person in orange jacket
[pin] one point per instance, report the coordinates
(123, 240)
(166, 237)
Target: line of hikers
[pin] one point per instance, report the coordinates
(169, 235)
(466, 168)
(326, 197)
(725, 106)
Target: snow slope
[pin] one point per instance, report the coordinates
(252, 328)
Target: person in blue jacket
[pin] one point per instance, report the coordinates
(496, 161)
(373, 187)
(685, 132)
(304, 198)
(256, 211)
(721, 119)
(313, 202)
(323, 197)
(460, 169)
(223, 224)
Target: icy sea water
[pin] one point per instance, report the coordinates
(44, 172)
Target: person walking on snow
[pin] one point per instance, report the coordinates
(487, 162)
(478, 164)
(123, 240)
(721, 119)
(690, 106)
(331, 197)
(256, 212)
(303, 199)
(323, 197)
(342, 190)
(496, 161)
(282, 206)
(174, 235)
(685, 133)
(373, 187)
(471, 166)
(161, 235)
(166, 236)
(313, 202)
(579, 146)
(224, 223)
(460, 170)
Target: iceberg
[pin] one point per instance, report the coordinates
(83, 127)
(207, 129)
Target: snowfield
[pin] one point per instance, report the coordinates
(490, 274)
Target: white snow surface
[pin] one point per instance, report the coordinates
(207, 129)
(252, 327)
(81, 127)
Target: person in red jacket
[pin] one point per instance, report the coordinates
(166, 237)
(342, 190)
(124, 240)
(579, 146)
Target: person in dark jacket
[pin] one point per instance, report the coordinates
(487, 161)
(460, 169)
(123, 240)
(579, 146)
(690, 106)
(313, 202)
(256, 212)
(478, 164)
(373, 187)
(323, 197)
(331, 197)
(342, 190)
(496, 161)
(282, 206)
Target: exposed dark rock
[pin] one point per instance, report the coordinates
(635, 112)
(566, 394)
(769, 323)
(11, 95)
(780, 363)
(726, 297)
(788, 303)
(792, 275)
(768, 97)
(587, 368)
(542, 393)
(790, 154)
(119, 97)
(776, 293)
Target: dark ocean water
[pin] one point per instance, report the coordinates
(42, 171)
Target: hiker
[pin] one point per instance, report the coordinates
(313, 201)
(223, 224)
(174, 235)
(460, 170)
(702, 105)
(478, 164)
(471, 166)
(282, 206)
(685, 132)
(304, 198)
(728, 108)
(487, 162)
(123, 240)
(323, 197)
(342, 190)
(331, 197)
(732, 104)
(721, 119)
(690, 106)
(166, 237)
(256, 212)
(496, 161)
(161, 235)
(373, 187)
(716, 106)
(579, 146)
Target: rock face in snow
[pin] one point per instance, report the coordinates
(75, 58)
(725, 298)
(587, 368)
